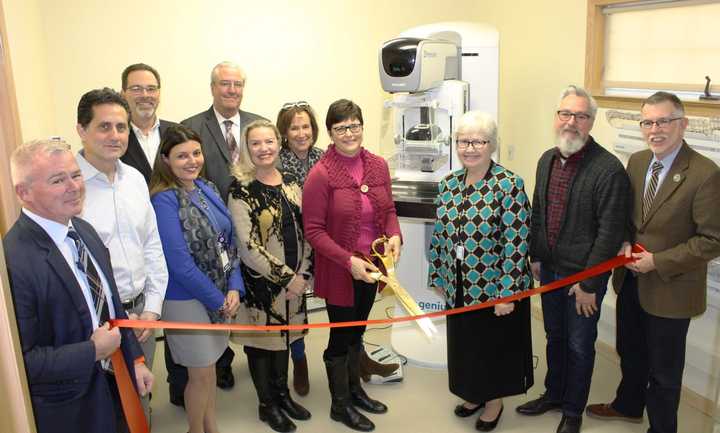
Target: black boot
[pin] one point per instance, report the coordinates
(359, 396)
(281, 393)
(342, 409)
(260, 366)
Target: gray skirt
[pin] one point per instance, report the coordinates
(192, 348)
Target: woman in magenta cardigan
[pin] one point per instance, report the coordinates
(347, 204)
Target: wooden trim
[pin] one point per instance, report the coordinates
(16, 414)
(692, 108)
(10, 135)
(681, 87)
(595, 68)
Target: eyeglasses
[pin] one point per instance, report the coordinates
(228, 84)
(137, 89)
(661, 123)
(298, 104)
(342, 130)
(476, 144)
(565, 116)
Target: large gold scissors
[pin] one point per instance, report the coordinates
(388, 277)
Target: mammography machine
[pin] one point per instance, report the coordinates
(433, 74)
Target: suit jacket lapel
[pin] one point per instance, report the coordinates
(135, 152)
(637, 178)
(59, 265)
(214, 127)
(673, 179)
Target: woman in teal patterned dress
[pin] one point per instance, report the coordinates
(478, 253)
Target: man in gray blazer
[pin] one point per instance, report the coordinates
(221, 125)
(675, 218)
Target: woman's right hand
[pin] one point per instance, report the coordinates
(360, 269)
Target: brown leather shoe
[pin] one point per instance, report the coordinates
(301, 382)
(369, 366)
(607, 412)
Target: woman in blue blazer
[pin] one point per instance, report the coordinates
(205, 281)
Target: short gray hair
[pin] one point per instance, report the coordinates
(580, 93)
(480, 122)
(226, 64)
(24, 155)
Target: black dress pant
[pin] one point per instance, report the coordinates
(652, 360)
(342, 338)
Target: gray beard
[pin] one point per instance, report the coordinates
(569, 146)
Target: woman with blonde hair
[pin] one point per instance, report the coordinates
(265, 207)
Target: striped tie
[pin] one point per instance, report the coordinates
(230, 140)
(86, 265)
(651, 188)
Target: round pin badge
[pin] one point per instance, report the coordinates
(677, 178)
(364, 189)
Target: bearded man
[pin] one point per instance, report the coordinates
(581, 209)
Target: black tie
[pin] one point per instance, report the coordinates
(86, 265)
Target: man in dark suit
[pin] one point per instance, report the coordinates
(221, 125)
(675, 218)
(141, 89)
(63, 289)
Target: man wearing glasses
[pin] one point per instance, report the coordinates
(581, 207)
(221, 125)
(675, 219)
(141, 89)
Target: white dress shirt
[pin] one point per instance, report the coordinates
(58, 233)
(149, 143)
(235, 126)
(121, 213)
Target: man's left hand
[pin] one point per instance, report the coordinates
(144, 378)
(143, 334)
(584, 302)
(644, 262)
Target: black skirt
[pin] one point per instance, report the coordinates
(489, 356)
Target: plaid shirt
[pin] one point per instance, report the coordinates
(561, 177)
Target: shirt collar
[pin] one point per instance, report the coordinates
(220, 118)
(57, 232)
(90, 172)
(669, 158)
(139, 131)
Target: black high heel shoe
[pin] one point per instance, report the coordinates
(464, 412)
(481, 425)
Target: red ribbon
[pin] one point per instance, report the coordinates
(135, 415)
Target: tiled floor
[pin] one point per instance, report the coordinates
(421, 403)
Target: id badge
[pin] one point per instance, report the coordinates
(224, 260)
(460, 252)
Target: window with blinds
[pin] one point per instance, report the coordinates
(635, 48)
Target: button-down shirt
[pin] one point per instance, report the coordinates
(667, 162)
(121, 213)
(58, 233)
(235, 126)
(562, 173)
(149, 143)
